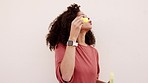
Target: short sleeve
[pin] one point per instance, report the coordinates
(59, 54)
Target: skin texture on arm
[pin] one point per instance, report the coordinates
(68, 63)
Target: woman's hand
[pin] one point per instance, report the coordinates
(75, 28)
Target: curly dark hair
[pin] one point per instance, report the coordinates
(60, 28)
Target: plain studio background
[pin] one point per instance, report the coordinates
(120, 27)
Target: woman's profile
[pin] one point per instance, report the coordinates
(71, 38)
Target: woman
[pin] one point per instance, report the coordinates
(74, 63)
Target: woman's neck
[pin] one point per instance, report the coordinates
(81, 38)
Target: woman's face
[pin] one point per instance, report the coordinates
(86, 26)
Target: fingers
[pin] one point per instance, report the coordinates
(76, 27)
(78, 20)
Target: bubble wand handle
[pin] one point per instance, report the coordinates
(111, 77)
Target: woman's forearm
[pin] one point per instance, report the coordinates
(68, 63)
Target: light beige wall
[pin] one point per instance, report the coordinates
(120, 26)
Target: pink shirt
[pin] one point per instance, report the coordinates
(86, 64)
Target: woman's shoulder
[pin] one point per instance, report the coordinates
(94, 48)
